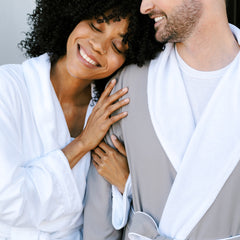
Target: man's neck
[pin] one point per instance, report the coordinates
(210, 48)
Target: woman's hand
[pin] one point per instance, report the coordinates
(112, 164)
(98, 124)
(100, 121)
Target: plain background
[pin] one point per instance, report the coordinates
(13, 24)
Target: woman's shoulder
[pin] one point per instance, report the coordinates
(13, 76)
(11, 86)
(10, 75)
(9, 70)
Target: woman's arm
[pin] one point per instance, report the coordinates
(32, 189)
(35, 189)
(98, 124)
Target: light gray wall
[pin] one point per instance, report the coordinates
(13, 22)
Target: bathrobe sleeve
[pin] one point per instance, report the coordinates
(32, 190)
(121, 204)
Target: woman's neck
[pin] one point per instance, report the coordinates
(73, 94)
(69, 89)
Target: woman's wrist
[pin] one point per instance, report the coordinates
(74, 151)
(121, 186)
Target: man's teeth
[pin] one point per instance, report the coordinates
(88, 59)
(157, 19)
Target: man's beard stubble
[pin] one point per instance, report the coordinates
(181, 23)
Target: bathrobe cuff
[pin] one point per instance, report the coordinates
(121, 205)
(57, 165)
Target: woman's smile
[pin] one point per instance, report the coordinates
(88, 60)
(96, 50)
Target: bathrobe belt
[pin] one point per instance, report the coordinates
(143, 226)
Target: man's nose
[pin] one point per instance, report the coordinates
(146, 6)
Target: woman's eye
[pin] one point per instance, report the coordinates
(94, 27)
(116, 49)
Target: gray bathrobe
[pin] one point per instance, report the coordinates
(152, 177)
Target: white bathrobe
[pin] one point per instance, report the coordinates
(40, 196)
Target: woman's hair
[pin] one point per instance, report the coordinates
(52, 22)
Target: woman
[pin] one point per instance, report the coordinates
(47, 128)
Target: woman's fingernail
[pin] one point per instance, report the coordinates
(114, 137)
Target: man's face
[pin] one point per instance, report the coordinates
(175, 20)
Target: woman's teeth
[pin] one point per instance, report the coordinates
(88, 59)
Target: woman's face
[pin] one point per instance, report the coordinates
(95, 50)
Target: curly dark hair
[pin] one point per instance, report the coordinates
(52, 22)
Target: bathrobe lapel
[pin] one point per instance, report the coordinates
(207, 154)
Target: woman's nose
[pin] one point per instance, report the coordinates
(146, 6)
(98, 45)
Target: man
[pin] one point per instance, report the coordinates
(182, 133)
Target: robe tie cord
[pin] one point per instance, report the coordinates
(143, 225)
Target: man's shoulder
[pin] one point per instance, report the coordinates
(129, 74)
(135, 69)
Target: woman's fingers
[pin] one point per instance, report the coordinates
(107, 90)
(105, 147)
(99, 151)
(96, 165)
(115, 96)
(107, 104)
(96, 159)
(112, 108)
(116, 118)
(118, 145)
(107, 99)
(111, 164)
